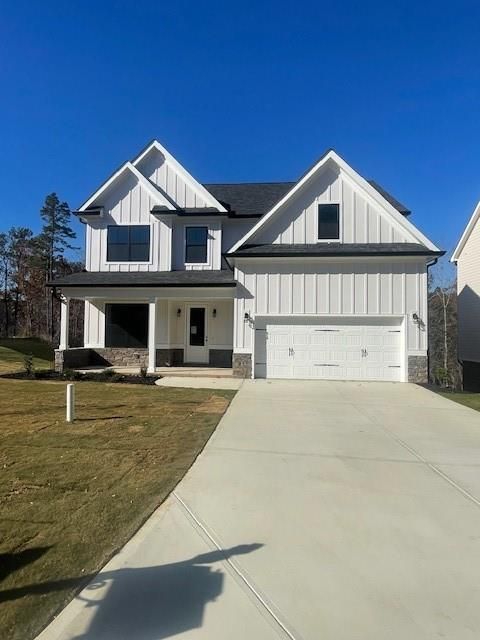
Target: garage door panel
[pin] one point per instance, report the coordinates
(331, 352)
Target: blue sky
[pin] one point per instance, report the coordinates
(243, 91)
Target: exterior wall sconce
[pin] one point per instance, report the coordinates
(179, 313)
(247, 317)
(418, 321)
(214, 313)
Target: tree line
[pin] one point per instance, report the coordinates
(27, 262)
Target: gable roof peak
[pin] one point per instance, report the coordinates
(466, 233)
(347, 172)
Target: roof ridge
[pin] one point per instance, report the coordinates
(235, 184)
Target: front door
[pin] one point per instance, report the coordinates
(196, 347)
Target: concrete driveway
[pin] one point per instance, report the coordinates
(318, 510)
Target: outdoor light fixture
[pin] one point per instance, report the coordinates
(214, 313)
(246, 317)
(415, 317)
(179, 313)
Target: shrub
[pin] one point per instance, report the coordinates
(108, 375)
(28, 365)
(143, 372)
(70, 374)
(443, 377)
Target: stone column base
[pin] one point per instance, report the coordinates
(242, 365)
(418, 369)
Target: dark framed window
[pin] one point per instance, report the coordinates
(126, 325)
(128, 243)
(196, 244)
(328, 222)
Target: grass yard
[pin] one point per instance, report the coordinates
(70, 496)
(14, 350)
(471, 400)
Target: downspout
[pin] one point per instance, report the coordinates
(429, 264)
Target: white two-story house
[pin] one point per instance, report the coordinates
(322, 278)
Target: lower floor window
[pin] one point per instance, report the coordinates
(126, 325)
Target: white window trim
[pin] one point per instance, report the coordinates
(209, 245)
(318, 202)
(138, 224)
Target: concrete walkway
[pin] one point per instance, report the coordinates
(200, 382)
(319, 511)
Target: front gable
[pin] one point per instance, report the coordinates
(161, 177)
(163, 170)
(366, 216)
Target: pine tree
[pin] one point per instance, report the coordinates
(54, 240)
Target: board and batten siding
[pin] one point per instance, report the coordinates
(94, 324)
(128, 203)
(468, 288)
(214, 244)
(333, 288)
(160, 172)
(362, 220)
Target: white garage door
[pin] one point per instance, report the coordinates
(342, 350)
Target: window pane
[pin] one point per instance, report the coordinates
(128, 243)
(126, 325)
(328, 222)
(196, 254)
(196, 235)
(140, 234)
(197, 327)
(117, 252)
(196, 244)
(118, 234)
(139, 253)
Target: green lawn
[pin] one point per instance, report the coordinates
(471, 400)
(14, 350)
(70, 496)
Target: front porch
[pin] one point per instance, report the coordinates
(190, 333)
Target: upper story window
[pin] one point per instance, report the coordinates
(329, 222)
(196, 245)
(128, 243)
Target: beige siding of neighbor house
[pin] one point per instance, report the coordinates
(468, 286)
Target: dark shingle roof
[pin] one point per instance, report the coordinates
(249, 198)
(389, 198)
(216, 278)
(256, 198)
(335, 249)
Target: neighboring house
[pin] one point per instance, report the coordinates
(467, 258)
(322, 278)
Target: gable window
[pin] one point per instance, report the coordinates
(196, 245)
(128, 243)
(329, 222)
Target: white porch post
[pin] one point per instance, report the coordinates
(152, 334)
(64, 322)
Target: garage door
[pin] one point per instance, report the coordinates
(343, 350)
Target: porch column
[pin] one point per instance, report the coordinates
(152, 334)
(64, 322)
